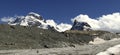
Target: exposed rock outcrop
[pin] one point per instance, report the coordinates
(80, 26)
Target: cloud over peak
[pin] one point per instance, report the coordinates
(110, 22)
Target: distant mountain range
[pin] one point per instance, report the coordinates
(36, 20)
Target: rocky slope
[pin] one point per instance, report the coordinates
(78, 50)
(22, 37)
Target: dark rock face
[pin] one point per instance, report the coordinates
(80, 26)
(17, 20)
(34, 24)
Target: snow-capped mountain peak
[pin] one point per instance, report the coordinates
(36, 20)
(80, 26)
(32, 19)
(35, 15)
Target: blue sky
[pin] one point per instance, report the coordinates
(59, 10)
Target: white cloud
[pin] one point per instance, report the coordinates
(7, 19)
(110, 22)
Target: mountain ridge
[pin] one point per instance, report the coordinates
(34, 19)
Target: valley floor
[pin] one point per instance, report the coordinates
(77, 50)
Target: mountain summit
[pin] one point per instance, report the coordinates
(80, 26)
(32, 19)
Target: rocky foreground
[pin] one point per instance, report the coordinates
(78, 50)
(22, 40)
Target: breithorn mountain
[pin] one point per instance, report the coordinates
(36, 20)
(32, 19)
